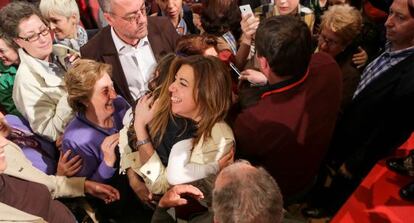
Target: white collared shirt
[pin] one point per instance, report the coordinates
(138, 64)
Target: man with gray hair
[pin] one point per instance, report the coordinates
(242, 193)
(132, 44)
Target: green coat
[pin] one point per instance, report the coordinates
(7, 75)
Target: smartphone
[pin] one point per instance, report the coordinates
(246, 9)
(64, 53)
(235, 70)
(61, 50)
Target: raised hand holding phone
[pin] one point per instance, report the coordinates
(245, 10)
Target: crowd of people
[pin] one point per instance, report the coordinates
(173, 110)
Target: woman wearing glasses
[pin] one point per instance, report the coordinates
(340, 26)
(38, 92)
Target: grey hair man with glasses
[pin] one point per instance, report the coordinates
(132, 44)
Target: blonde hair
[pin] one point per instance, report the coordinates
(344, 20)
(65, 8)
(212, 94)
(80, 81)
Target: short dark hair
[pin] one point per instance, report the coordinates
(12, 15)
(285, 42)
(194, 44)
(411, 7)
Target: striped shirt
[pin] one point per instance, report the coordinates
(381, 64)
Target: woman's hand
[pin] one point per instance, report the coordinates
(254, 77)
(249, 24)
(360, 58)
(102, 191)
(67, 167)
(59, 141)
(139, 188)
(226, 159)
(144, 110)
(108, 149)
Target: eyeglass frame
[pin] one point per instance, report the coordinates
(36, 35)
(328, 41)
(136, 15)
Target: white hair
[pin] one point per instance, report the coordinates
(65, 8)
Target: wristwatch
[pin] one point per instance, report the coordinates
(141, 142)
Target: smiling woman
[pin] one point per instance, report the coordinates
(63, 16)
(9, 60)
(93, 133)
(188, 140)
(38, 91)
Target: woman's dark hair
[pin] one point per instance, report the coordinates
(12, 15)
(221, 16)
(195, 44)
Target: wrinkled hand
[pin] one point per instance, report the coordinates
(102, 191)
(139, 188)
(144, 110)
(73, 58)
(173, 197)
(254, 77)
(143, 193)
(360, 58)
(227, 159)
(249, 24)
(67, 167)
(108, 148)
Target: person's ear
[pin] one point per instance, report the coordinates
(264, 66)
(74, 19)
(109, 18)
(18, 41)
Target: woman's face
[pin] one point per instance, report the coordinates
(34, 38)
(7, 54)
(101, 100)
(182, 97)
(172, 8)
(62, 26)
(287, 7)
(329, 42)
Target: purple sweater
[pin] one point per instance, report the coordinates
(42, 153)
(85, 138)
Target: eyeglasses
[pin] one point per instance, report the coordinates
(36, 36)
(136, 15)
(327, 41)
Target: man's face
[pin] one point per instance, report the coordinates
(400, 25)
(129, 19)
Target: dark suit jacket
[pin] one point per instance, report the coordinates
(377, 121)
(161, 35)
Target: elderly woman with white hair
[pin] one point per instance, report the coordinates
(63, 16)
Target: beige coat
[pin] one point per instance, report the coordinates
(41, 98)
(154, 172)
